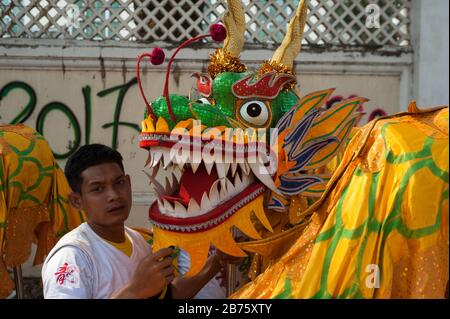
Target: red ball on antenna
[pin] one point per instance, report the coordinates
(218, 32)
(157, 56)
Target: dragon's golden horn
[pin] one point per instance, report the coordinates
(234, 20)
(292, 42)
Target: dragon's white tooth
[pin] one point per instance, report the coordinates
(180, 165)
(178, 170)
(223, 191)
(167, 160)
(205, 203)
(196, 157)
(195, 166)
(226, 167)
(157, 154)
(175, 156)
(160, 204)
(180, 209)
(238, 183)
(246, 179)
(220, 167)
(261, 173)
(209, 166)
(214, 192)
(168, 206)
(223, 183)
(230, 186)
(179, 159)
(149, 159)
(162, 161)
(193, 208)
(233, 168)
(245, 168)
(152, 162)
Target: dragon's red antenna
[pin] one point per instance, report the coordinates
(216, 31)
(156, 58)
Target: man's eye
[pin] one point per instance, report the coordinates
(121, 182)
(97, 189)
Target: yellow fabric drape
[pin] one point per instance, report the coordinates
(381, 228)
(34, 204)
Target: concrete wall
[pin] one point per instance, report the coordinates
(430, 26)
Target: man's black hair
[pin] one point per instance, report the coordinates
(87, 156)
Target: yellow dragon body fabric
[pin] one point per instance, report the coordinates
(34, 203)
(380, 230)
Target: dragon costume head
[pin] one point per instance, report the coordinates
(238, 136)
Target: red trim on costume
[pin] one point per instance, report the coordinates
(266, 87)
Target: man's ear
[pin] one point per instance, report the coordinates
(75, 200)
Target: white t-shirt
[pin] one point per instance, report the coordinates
(84, 266)
(216, 287)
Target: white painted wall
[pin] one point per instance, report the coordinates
(430, 26)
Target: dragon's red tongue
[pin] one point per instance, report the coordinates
(193, 185)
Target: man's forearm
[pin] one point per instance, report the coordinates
(127, 293)
(185, 288)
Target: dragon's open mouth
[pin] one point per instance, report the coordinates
(199, 194)
(206, 185)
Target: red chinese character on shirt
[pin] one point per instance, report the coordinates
(65, 273)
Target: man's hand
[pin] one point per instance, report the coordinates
(152, 274)
(184, 288)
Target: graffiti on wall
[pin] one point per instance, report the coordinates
(26, 111)
(29, 109)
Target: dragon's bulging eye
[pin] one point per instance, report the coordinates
(255, 113)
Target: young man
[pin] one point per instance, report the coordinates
(103, 258)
